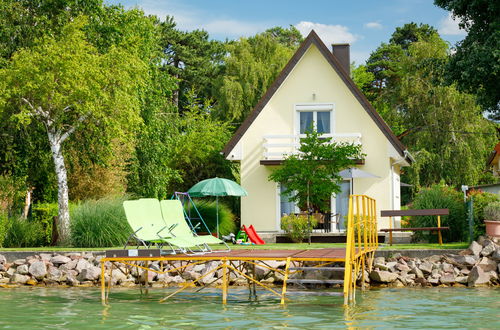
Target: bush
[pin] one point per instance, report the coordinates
(441, 197)
(492, 211)
(480, 200)
(100, 223)
(208, 211)
(296, 227)
(44, 213)
(4, 220)
(24, 233)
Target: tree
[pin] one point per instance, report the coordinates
(475, 65)
(311, 175)
(251, 65)
(65, 84)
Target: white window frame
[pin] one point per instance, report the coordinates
(315, 108)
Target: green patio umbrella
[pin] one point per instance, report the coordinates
(217, 187)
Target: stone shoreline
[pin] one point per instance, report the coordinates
(479, 265)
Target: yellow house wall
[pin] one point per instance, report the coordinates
(312, 75)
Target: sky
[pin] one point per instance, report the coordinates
(364, 24)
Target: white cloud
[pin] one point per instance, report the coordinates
(449, 26)
(373, 25)
(330, 34)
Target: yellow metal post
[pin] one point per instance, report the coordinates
(103, 284)
(285, 278)
(348, 251)
(224, 281)
(439, 231)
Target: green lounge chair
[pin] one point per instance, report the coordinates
(145, 218)
(173, 215)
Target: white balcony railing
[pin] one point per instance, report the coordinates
(277, 147)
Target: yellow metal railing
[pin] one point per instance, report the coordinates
(362, 242)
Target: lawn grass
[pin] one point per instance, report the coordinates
(270, 246)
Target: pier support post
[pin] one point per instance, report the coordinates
(224, 281)
(285, 278)
(103, 284)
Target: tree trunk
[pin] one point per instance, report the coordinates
(62, 187)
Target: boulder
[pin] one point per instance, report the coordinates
(433, 281)
(3, 260)
(461, 279)
(463, 261)
(381, 266)
(54, 274)
(82, 264)
(91, 273)
(434, 259)
(446, 267)
(478, 277)
(19, 262)
(487, 264)
(117, 276)
(45, 256)
(23, 269)
(69, 265)
(379, 260)
(447, 279)
(59, 259)
(418, 273)
(403, 268)
(426, 267)
(496, 255)
(390, 265)
(38, 269)
(488, 248)
(475, 248)
(19, 279)
(383, 276)
(71, 280)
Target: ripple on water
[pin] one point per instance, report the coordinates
(408, 308)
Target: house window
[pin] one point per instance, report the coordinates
(286, 206)
(319, 117)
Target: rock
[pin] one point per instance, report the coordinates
(69, 265)
(447, 268)
(435, 273)
(23, 269)
(488, 248)
(493, 275)
(426, 267)
(381, 266)
(480, 240)
(390, 265)
(433, 281)
(434, 259)
(461, 279)
(463, 261)
(175, 279)
(117, 276)
(38, 269)
(31, 282)
(82, 264)
(487, 264)
(59, 259)
(403, 268)
(73, 255)
(475, 248)
(19, 279)
(447, 279)
(422, 281)
(477, 277)
(2, 268)
(3, 260)
(465, 271)
(10, 272)
(54, 274)
(45, 256)
(411, 264)
(91, 273)
(418, 273)
(19, 262)
(496, 255)
(383, 276)
(71, 280)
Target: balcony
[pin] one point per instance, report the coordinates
(277, 147)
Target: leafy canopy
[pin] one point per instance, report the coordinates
(311, 175)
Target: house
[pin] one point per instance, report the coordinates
(494, 160)
(314, 87)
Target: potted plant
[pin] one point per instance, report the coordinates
(492, 219)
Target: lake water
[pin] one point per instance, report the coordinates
(80, 308)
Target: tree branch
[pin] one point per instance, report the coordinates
(70, 131)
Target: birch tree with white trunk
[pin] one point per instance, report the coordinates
(65, 84)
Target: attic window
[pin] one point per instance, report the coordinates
(320, 117)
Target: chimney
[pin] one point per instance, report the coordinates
(341, 52)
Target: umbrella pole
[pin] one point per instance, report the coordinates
(217, 213)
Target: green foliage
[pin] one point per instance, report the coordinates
(492, 211)
(208, 211)
(298, 227)
(311, 176)
(24, 233)
(475, 65)
(11, 194)
(480, 200)
(250, 67)
(100, 223)
(43, 213)
(441, 197)
(4, 222)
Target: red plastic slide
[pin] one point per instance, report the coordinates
(253, 236)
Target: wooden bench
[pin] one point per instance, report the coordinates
(399, 213)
